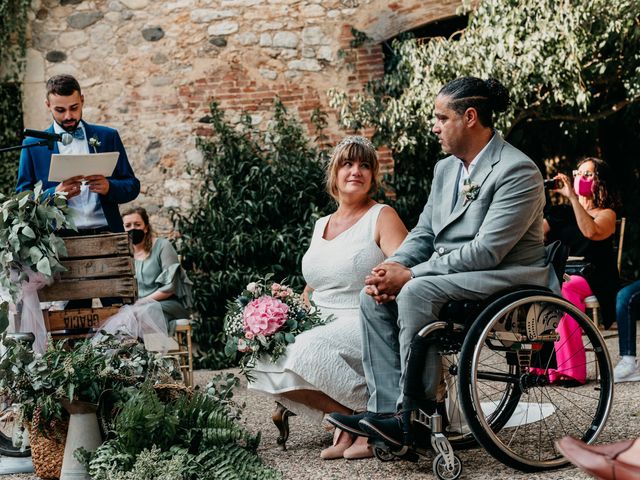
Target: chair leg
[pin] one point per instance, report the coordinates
(280, 417)
(190, 357)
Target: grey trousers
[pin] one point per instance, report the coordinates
(388, 329)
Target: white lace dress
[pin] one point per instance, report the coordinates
(329, 357)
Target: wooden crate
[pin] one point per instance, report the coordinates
(98, 266)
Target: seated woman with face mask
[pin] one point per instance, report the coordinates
(587, 226)
(158, 272)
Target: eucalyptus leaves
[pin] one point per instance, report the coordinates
(89, 372)
(28, 222)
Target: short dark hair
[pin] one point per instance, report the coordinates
(63, 85)
(486, 96)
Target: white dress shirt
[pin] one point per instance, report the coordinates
(466, 172)
(85, 207)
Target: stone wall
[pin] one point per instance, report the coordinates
(150, 68)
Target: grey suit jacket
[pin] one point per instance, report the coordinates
(498, 231)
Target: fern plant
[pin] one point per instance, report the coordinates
(194, 436)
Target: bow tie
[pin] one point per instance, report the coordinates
(78, 133)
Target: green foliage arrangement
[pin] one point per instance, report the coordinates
(28, 222)
(571, 61)
(260, 195)
(191, 437)
(83, 372)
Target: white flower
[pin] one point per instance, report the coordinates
(470, 191)
(252, 287)
(95, 143)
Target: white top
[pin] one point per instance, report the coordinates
(336, 268)
(85, 207)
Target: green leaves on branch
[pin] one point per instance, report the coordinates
(28, 222)
(567, 59)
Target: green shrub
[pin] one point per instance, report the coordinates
(253, 214)
(190, 437)
(13, 46)
(10, 127)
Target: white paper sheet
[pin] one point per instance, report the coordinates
(67, 166)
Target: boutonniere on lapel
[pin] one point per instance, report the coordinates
(470, 191)
(95, 143)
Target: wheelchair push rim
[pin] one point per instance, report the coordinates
(552, 408)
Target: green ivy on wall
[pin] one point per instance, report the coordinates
(13, 34)
(10, 126)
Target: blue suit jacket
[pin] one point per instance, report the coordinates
(123, 185)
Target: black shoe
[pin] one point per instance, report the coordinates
(390, 429)
(349, 423)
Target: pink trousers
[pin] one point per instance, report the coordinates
(571, 358)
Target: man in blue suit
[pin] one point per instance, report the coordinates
(93, 200)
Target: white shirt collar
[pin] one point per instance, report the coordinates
(477, 157)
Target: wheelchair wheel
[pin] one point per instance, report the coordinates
(458, 431)
(508, 365)
(441, 471)
(383, 454)
(10, 431)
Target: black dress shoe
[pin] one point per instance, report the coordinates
(390, 430)
(349, 423)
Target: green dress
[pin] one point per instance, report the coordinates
(161, 271)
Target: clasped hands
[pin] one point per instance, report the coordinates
(96, 183)
(386, 280)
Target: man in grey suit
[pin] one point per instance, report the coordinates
(480, 232)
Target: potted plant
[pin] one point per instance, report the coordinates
(100, 373)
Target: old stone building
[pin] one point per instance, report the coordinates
(151, 67)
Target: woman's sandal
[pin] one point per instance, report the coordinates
(357, 450)
(341, 442)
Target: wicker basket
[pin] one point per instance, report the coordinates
(169, 392)
(47, 450)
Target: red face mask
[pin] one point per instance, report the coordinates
(583, 186)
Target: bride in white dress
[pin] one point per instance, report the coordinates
(322, 371)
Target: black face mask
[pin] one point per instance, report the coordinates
(136, 235)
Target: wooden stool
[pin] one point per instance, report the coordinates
(184, 354)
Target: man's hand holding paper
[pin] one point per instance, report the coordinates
(98, 184)
(70, 186)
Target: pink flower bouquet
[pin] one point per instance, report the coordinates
(264, 319)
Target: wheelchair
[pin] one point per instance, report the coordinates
(503, 389)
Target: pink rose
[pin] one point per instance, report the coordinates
(264, 316)
(243, 346)
(248, 335)
(275, 287)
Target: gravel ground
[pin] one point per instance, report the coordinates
(301, 461)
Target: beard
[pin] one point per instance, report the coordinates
(70, 125)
